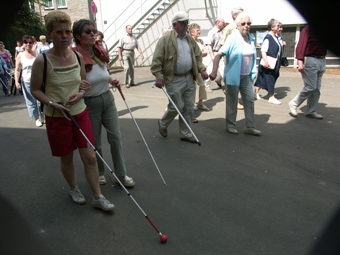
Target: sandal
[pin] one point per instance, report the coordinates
(126, 181)
(194, 121)
(203, 107)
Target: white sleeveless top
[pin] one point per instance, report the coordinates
(98, 77)
(26, 65)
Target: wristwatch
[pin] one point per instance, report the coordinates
(49, 103)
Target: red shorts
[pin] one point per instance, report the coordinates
(64, 137)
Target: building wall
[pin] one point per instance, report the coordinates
(204, 13)
(77, 9)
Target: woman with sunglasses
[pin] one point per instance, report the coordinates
(99, 99)
(267, 76)
(64, 75)
(24, 62)
(239, 74)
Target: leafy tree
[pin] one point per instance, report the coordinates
(26, 22)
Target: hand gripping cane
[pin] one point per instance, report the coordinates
(121, 93)
(163, 238)
(180, 114)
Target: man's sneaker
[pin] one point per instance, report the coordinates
(38, 123)
(273, 100)
(293, 110)
(314, 115)
(252, 131)
(102, 180)
(77, 196)
(102, 203)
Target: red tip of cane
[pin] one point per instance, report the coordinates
(164, 238)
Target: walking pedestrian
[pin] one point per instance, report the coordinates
(65, 73)
(195, 32)
(126, 54)
(176, 64)
(43, 45)
(99, 99)
(3, 68)
(214, 36)
(23, 65)
(239, 74)
(311, 56)
(267, 75)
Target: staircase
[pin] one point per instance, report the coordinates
(145, 22)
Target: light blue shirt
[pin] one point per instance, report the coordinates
(184, 60)
(233, 50)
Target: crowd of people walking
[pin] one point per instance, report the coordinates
(75, 77)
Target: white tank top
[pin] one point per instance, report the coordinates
(26, 65)
(98, 77)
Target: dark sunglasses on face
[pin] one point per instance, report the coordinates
(60, 32)
(88, 31)
(30, 42)
(248, 23)
(184, 22)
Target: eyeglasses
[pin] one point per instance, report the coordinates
(248, 23)
(88, 31)
(61, 32)
(186, 22)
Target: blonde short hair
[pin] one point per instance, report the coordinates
(193, 26)
(56, 17)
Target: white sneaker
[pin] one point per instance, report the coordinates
(38, 123)
(102, 203)
(293, 110)
(273, 100)
(77, 196)
(126, 181)
(257, 96)
(102, 180)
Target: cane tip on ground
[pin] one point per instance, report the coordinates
(164, 238)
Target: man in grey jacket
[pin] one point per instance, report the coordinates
(176, 63)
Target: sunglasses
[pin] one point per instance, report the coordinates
(30, 42)
(61, 32)
(186, 22)
(248, 23)
(88, 31)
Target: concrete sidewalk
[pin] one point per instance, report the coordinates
(233, 195)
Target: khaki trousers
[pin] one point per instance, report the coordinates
(181, 90)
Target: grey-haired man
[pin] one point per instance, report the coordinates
(176, 63)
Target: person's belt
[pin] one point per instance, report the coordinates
(316, 56)
(183, 74)
(127, 50)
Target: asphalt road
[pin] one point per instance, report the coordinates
(235, 194)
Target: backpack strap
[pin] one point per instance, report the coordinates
(44, 81)
(77, 57)
(44, 73)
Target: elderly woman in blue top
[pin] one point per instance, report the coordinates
(239, 73)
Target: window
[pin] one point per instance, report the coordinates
(48, 4)
(61, 3)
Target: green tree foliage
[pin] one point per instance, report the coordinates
(26, 22)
